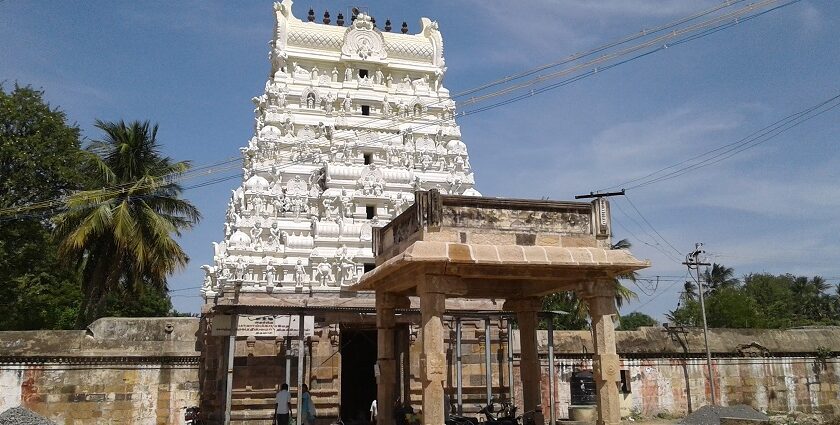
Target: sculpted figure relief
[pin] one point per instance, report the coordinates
(300, 274)
(347, 103)
(398, 203)
(286, 127)
(324, 273)
(209, 278)
(372, 181)
(328, 204)
(455, 183)
(256, 232)
(347, 205)
(386, 106)
(270, 274)
(347, 268)
(278, 59)
(329, 102)
(276, 238)
(256, 204)
(281, 96)
(239, 270)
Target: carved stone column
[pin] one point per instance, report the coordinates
(386, 387)
(526, 310)
(432, 294)
(600, 296)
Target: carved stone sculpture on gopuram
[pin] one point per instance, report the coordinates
(353, 120)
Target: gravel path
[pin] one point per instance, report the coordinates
(710, 415)
(22, 416)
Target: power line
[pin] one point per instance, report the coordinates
(656, 245)
(656, 296)
(618, 42)
(650, 225)
(740, 15)
(724, 152)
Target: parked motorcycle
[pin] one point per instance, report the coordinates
(505, 416)
(461, 420)
(192, 415)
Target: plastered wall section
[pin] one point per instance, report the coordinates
(770, 370)
(677, 386)
(119, 371)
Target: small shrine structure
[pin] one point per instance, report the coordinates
(447, 246)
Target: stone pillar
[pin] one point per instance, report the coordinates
(600, 296)
(526, 310)
(433, 360)
(386, 382)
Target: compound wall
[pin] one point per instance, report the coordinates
(145, 371)
(119, 371)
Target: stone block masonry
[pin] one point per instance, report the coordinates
(125, 371)
(144, 371)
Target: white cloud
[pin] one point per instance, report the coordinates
(565, 25)
(662, 138)
(811, 18)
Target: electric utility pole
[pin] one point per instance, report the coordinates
(692, 260)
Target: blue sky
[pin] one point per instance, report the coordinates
(193, 67)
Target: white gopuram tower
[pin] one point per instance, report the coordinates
(353, 121)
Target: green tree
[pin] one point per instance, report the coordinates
(714, 278)
(39, 151)
(720, 276)
(774, 298)
(570, 314)
(39, 161)
(687, 314)
(122, 239)
(145, 302)
(635, 320)
(764, 301)
(730, 307)
(725, 308)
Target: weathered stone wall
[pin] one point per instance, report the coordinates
(770, 370)
(141, 371)
(126, 371)
(677, 385)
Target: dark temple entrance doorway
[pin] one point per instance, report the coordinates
(358, 383)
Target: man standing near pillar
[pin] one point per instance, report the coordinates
(283, 405)
(374, 412)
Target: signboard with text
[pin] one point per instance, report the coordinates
(287, 326)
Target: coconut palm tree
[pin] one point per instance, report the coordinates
(569, 302)
(120, 233)
(718, 277)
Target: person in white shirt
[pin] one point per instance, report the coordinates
(374, 412)
(283, 405)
